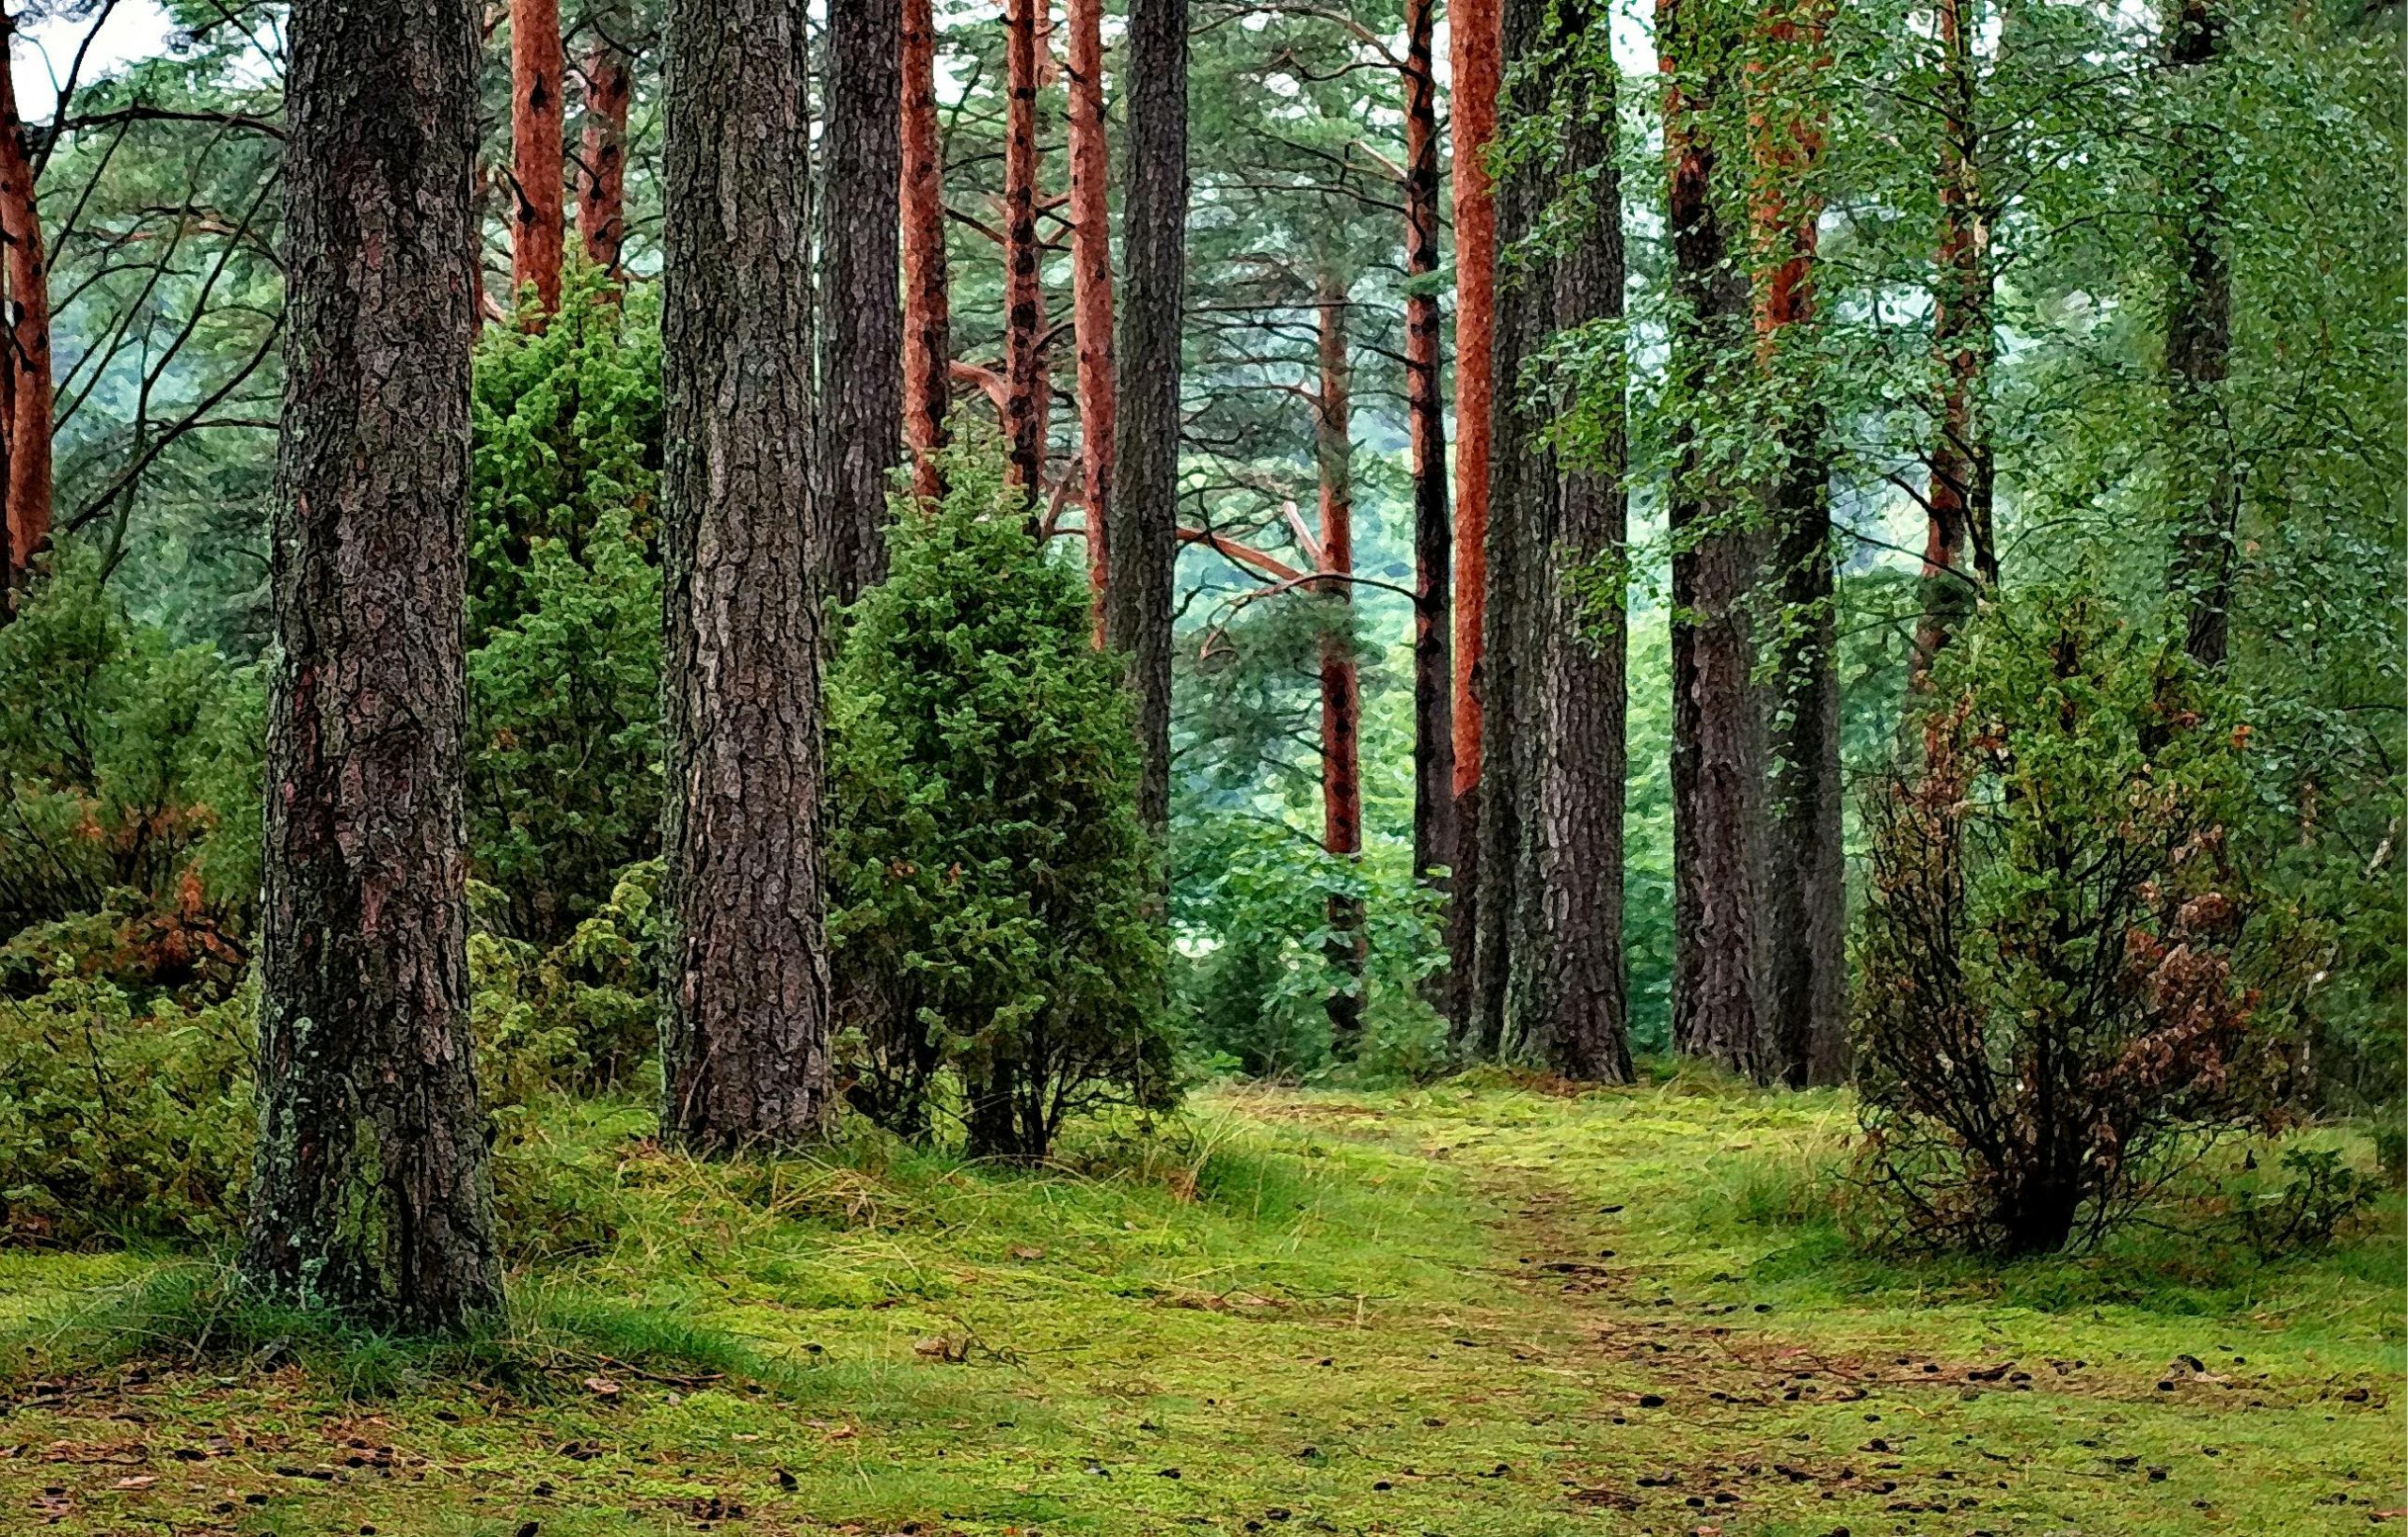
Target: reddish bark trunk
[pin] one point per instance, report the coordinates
(1023, 422)
(1091, 285)
(1475, 37)
(602, 177)
(537, 65)
(28, 289)
(1434, 746)
(1340, 692)
(1958, 505)
(928, 347)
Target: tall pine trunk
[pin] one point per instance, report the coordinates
(1023, 415)
(1806, 980)
(602, 152)
(1143, 539)
(28, 395)
(1473, 40)
(370, 1188)
(1959, 556)
(1341, 703)
(745, 1025)
(537, 74)
(927, 321)
(2204, 495)
(1718, 758)
(1434, 715)
(861, 316)
(1566, 1000)
(1091, 287)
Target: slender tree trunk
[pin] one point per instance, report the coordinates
(1091, 287)
(1341, 705)
(928, 322)
(1718, 759)
(745, 1026)
(1474, 38)
(1960, 557)
(1434, 715)
(1023, 422)
(1567, 1005)
(538, 72)
(1144, 542)
(602, 173)
(1806, 980)
(28, 292)
(861, 314)
(370, 1188)
(2205, 498)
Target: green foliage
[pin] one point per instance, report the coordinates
(565, 611)
(2065, 974)
(2323, 1196)
(129, 795)
(118, 1122)
(580, 1017)
(990, 884)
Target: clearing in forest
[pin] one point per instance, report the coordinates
(1474, 1309)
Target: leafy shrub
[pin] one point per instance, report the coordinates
(580, 1017)
(2061, 963)
(129, 797)
(564, 746)
(989, 880)
(2321, 1196)
(122, 1122)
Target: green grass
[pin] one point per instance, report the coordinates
(1441, 1311)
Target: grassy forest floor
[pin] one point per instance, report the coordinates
(1469, 1309)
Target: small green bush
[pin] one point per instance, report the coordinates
(578, 1018)
(122, 1123)
(990, 884)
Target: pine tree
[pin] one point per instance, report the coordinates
(928, 348)
(860, 309)
(538, 69)
(27, 387)
(1091, 287)
(602, 150)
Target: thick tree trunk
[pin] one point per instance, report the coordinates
(1806, 980)
(1091, 287)
(602, 174)
(1143, 539)
(1473, 42)
(861, 314)
(745, 1026)
(2205, 498)
(1567, 1005)
(928, 320)
(28, 422)
(1434, 715)
(1960, 557)
(1341, 703)
(1023, 423)
(370, 1188)
(1718, 759)
(538, 72)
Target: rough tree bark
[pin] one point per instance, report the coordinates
(370, 1188)
(538, 70)
(1342, 703)
(1091, 287)
(1806, 980)
(1960, 557)
(861, 306)
(602, 152)
(1144, 540)
(745, 1025)
(1718, 759)
(928, 320)
(1473, 40)
(1023, 420)
(1567, 1006)
(27, 425)
(1434, 715)
(2205, 498)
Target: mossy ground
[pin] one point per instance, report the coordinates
(1470, 1310)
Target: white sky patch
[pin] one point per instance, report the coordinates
(45, 51)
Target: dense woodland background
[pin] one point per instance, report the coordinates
(1821, 419)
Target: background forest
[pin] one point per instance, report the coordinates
(1840, 564)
